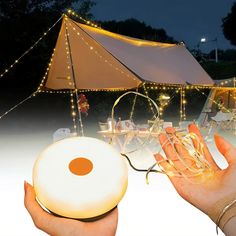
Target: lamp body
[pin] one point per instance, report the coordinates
(80, 177)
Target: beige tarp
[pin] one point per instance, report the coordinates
(99, 59)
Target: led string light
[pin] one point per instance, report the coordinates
(73, 112)
(84, 90)
(42, 83)
(88, 22)
(233, 96)
(27, 51)
(213, 100)
(193, 165)
(105, 60)
(133, 106)
(181, 106)
(70, 83)
(184, 102)
(233, 80)
(18, 104)
(72, 79)
(149, 101)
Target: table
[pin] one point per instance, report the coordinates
(116, 136)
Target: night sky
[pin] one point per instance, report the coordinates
(183, 19)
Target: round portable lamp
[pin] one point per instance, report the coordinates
(80, 177)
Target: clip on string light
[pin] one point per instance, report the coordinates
(191, 165)
(155, 122)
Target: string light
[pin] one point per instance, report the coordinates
(133, 106)
(18, 104)
(105, 60)
(73, 112)
(213, 100)
(72, 81)
(87, 22)
(149, 102)
(30, 49)
(183, 103)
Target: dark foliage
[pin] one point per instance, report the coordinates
(229, 25)
(22, 23)
(134, 28)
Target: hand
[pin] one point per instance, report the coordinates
(58, 226)
(216, 186)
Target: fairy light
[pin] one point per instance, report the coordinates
(73, 112)
(105, 60)
(149, 102)
(213, 100)
(72, 81)
(183, 103)
(87, 22)
(133, 106)
(29, 49)
(72, 102)
(42, 83)
(17, 105)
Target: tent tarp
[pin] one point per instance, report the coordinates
(99, 59)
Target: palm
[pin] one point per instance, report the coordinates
(206, 189)
(58, 226)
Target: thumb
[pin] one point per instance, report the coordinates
(225, 148)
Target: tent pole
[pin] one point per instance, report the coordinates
(75, 85)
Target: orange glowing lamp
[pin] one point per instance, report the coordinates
(80, 177)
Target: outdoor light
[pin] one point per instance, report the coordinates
(80, 177)
(204, 40)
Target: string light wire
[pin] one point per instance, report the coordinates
(30, 48)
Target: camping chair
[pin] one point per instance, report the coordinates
(230, 124)
(223, 119)
(61, 133)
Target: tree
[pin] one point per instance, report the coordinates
(229, 25)
(22, 23)
(134, 28)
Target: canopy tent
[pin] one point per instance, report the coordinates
(221, 97)
(86, 57)
(90, 58)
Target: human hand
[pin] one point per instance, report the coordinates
(58, 226)
(206, 195)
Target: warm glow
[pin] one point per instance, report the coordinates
(136, 42)
(80, 177)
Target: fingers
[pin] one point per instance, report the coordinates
(226, 149)
(179, 147)
(42, 219)
(176, 152)
(169, 150)
(32, 205)
(194, 129)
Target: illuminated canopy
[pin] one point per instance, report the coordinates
(86, 57)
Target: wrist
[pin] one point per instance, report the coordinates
(223, 211)
(230, 227)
